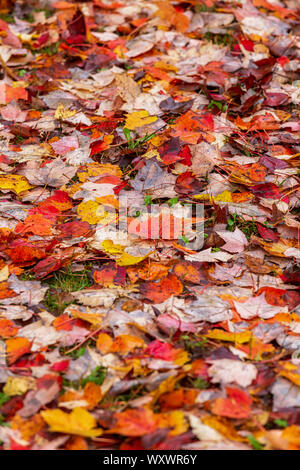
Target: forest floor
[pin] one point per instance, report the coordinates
(149, 230)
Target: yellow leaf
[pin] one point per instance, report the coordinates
(292, 434)
(118, 252)
(291, 376)
(63, 113)
(94, 318)
(20, 84)
(277, 248)
(203, 197)
(157, 140)
(112, 248)
(225, 196)
(79, 422)
(119, 51)
(88, 212)
(71, 190)
(4, 273)
(181, 358)
(104, 216)
(289, 371)
(98, 169)
(108, 200)
(18, 385)
(134, 365)
(15, 183)
(128, 260)
(243, 337)
(165, 386)
(138, 119)
(255, 37)
(164, 66)
(281, 114)
(151, 154)
(174, 420)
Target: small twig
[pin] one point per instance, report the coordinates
(85, 339)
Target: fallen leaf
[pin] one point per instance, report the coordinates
(79, 422)
(16, 183)
(236, 406)
(135, 422)
(19, 385)
(160, 291)
(139, 119)
(16, 348)
(257, 306)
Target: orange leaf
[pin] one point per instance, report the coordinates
(162, 290)
(170, 16)
(7, 328)
(256, 348)
(22, 251)
(35, 224)
(63, 322)
(246, 174)
(190, 272)
(60, 201)
(8, 93)
(159, 74)
(177, 399)
(77, 443)
(17, 347)
(123, 344)
(5, 291)
(190, 125)
(292, 435)
(135, 422)
(104, 343)
(70, 395)
(174, 420)
(148, 271)
(110, 275)
(92, 394)
(27, 427)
